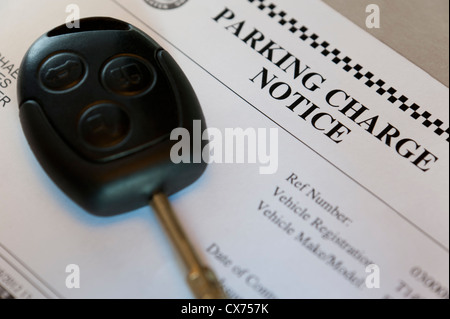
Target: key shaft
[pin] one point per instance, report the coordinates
(201, 279)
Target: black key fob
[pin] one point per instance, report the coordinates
(98, 105)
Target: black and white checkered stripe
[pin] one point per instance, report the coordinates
(398, 100)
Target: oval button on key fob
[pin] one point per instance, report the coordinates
(97, 105)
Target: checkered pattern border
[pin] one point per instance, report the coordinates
(398, 100)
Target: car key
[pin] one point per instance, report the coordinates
(97, 106)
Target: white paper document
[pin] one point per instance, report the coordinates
(358, 206)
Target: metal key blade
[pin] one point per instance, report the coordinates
(201, 279)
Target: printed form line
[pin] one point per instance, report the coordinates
(31, 282)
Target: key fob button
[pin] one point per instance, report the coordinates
(104, 126)
(62, 71)
(128, 75)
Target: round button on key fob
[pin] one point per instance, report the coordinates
(97, 105)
